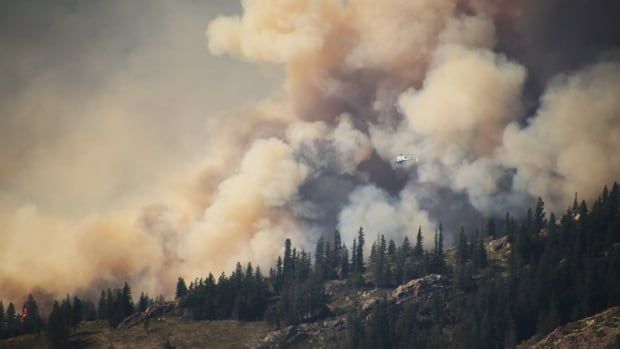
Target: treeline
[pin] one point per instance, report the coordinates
(557, 271)
(14, 323)
(405, 329)
(391, 266)
(114, 305)
(242, 296)
(292, 293)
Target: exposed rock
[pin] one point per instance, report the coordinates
(368, 299)
(599, 331)
(420, 293)
(334, 287)
(498, 244)
(152, 311)
(317, 334)
(323, 334)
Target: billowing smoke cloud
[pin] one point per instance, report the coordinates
(248, 208)
(378, 213)
(571, 145)
(364, 81)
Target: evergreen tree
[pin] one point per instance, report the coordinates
(181, 289)
(143, 302)
(344, 263)
(102, 310)
(319, 259)
(379, 265)
(127, 305)
(359, 255)
(418, 250)
(335, 260)
(31, 320)
(539, 216)
(379, 334)
(354, 256)
(287, 266)
(77, 310)
(57, 328)
(482, 255)
(90, 311)
(13, 327)
(355, 331)
(507, 224)
(462, 251)
(2, 321)
(440, 249)
(491, 228)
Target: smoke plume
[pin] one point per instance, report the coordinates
(183, 189)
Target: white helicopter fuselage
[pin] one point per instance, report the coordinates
(401, 159)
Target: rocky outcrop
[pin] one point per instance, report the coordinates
(498, 244)
(321, 334)
(152, 311)
(421, 294)
(420, 290)
(324, 334)
(599, 331)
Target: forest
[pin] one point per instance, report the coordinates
(558, 270)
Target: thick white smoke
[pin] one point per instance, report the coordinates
(365, 80)
(572, 143)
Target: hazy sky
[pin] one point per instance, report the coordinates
(143, 140)
(101, 101)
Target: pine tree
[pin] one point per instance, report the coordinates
(359, 255)
(31, 320)
(379, 335)
(337, 251)
(507, 224)
(127, 305)
(2, 321)
(287, 266)
(143, 302)
(404, 262)
(102, 310)
(57, 328)
(319, 259)
(482, 255)
(539, 216)
(462, 252)
(90, 311)
(12, 323)
(355, 331)
(181, 288)
(491, 228)
(344, 263)
(77, 310)
(440, 249)
(379, 265)
(418, 250)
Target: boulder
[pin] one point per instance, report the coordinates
(498, 244)
(420, 290)
(152, 311)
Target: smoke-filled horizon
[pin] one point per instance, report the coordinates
(137, 151)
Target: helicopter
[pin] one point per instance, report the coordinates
(402, 158)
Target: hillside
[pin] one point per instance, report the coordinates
(506, 289)
(599, 331)
(179, 333)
